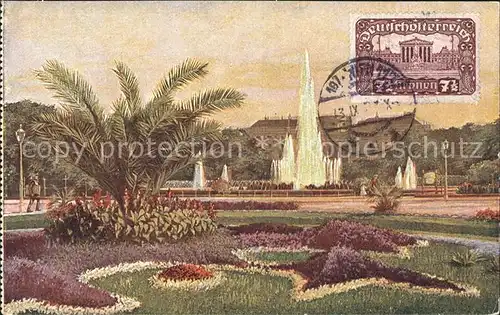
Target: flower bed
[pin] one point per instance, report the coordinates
(299, 293)
(31, 286)
(342, 265)
(252, 205)
(30, 245)
(186, 277)
(60, 265)
(334, 233)
(185, 272)
(487, 215)
(358, 236)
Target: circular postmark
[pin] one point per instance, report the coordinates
(374, 80)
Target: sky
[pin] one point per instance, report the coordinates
(257, 48)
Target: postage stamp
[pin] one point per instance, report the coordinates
(438, 56)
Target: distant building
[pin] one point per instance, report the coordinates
(374, 131)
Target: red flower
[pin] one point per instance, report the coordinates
(107, 200)
(185, 272)
(96, 198)
(488, 215)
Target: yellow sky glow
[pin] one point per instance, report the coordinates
(254, 47)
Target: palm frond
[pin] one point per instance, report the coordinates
(71, 89)
(116, 123)
(211, 101)
(178, 77)
(130, 88)
(158, 119)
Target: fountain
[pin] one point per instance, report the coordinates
(225, 175)
(329, 171)
(410, 175)
(338, 169)
(309, 165)
(199, 174)
(287, 163)
(413, 178)
(399, 178)
(274, 171)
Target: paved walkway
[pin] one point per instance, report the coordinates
(460, 207)
(483, 247)
(11, 206)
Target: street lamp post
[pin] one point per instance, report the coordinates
(20, 133)
(446, 145)
(44, 187)
(65, 184)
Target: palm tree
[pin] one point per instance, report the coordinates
(138, 144)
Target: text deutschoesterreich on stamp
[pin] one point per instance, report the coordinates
(437, 56)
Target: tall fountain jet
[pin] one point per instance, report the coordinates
(410, 175)
(225, 174)
(287, 163)
(310, 166)
(399, 178)
(199, 174)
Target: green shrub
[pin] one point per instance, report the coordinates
(220, 186)
(484, 172)
(466, 259)
(386, 200)
(146, 220)
(494, 264)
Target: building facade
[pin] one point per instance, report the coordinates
(419, 54)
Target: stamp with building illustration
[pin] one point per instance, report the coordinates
(437, 56)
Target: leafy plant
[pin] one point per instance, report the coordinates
(162, 122)
(466, 259)
(386, 199)
(220, 186)
(61, 197)
(494, 264)
(152, 219)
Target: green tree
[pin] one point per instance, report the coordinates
(138, 144)
(484, 172)
(45, 165)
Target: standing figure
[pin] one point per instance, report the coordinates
(34, 192)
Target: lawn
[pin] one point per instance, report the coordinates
(411, 224)
(260, 294)
(29, 257)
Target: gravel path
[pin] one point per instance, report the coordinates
(483, 247)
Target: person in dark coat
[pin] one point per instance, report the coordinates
(33, 193)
